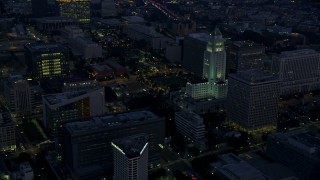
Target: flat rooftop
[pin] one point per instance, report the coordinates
(114, 65)
(14, 79)
(145, 30)
(110, 22)
(271, 169)
(192, 117)
(246, 44)
(233, 167)
(78, 80)
(205, 37)
(299, 52)
(133, 19)
(255, 77)
(55, 19)
(58, 98)
(107, 121)
(101, 67)
(302, 139)
(84, 41)
(72, 28)
(308, 139)
(131, 146)
(44, 46)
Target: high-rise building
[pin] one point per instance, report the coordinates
(214, 69)
(253, 98)
(63, 107)
(53, 24)
(76, 9)
(21, 96)
(183, 27)
(79, 85)
(214, 61)
(299, 150)
(193, 47)
(7, 132)
(18, 95)
(88, 150)
(245, 55)
(46, 61)
(130, 157)
(191, 125)
(298, 70)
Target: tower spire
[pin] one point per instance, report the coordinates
(216, 33)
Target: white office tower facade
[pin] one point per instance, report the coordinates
(130, 157)
(191, 125)
(299, 71)
(214, 69)
(253, 99)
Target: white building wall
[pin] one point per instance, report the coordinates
(130, 169)
(191, 125)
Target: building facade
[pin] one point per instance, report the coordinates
(85, 48)
(108, 8)
(194, 46)
(299, 150)
(191, 125)
(63, 107)
(7, 132)
(214, 69)
(138, 32)
(79, 85)
(245, 55)
(299, 71)
(253, 98)
(56, 23)
(130, 157)
(18, 95)
(46, 61)
(183, 27)
(231, 167)
(22, 97)
(88, 150)
(76, 9)
(70, 32)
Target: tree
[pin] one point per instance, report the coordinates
(23, 157)
(110, 95)
(158, 174)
